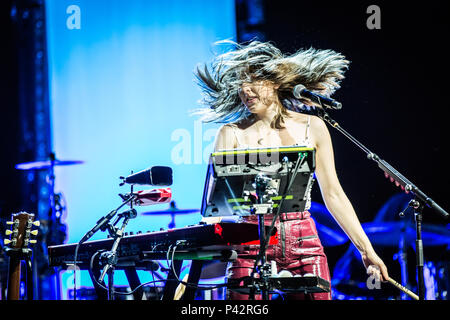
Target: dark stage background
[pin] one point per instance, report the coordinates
(393, 102)
(394, 95)
(393, 92)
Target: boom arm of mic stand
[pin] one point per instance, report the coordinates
(386, 167)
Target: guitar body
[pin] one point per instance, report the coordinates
(18, 250)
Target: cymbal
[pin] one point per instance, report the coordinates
(170, 211)
(330, 233)
(45, 164)
(173, 210)
(390, 233)
(328, 230)
(330, 237)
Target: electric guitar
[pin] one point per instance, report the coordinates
(18, 250)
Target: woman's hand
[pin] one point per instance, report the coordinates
(374, 265)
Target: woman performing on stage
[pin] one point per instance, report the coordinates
(250, 90)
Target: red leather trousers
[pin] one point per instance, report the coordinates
(298, 250)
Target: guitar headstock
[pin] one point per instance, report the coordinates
(20, 232)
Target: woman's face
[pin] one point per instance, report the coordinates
(258, 95)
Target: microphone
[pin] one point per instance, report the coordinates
(155, 176)
(300, 91)
(151, 197)
(100, 223)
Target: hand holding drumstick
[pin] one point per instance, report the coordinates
(375, 270)
(402, 288)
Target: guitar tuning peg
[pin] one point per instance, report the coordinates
(34, 232)
(9, 222)
(7, 241)
(33, 241)
(37, 223)
(8, 232)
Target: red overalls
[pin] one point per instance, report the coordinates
(298, 250)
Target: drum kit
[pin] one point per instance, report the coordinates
(382, 234)
(52, 229)
(397, 238)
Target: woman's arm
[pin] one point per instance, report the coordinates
(336, 200)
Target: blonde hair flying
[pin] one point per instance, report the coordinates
(319, 71)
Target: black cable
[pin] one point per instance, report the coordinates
(263, 171)
(169, 261)
(75, 272)
(114, 212)
(153, 274)
(91, 267)
(154, 285)
(188, 284)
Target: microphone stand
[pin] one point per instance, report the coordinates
(260, 209)
(110, 257)
(418, 203)
(102, 225)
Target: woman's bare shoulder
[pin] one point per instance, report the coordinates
(319, 131)
(318, 124)
(243, 123)
(297, 117)
(225, 138)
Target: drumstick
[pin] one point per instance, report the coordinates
(405, 290)
(180, 289)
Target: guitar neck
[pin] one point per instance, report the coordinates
(14, 270)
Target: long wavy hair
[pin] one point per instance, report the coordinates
(319, 71)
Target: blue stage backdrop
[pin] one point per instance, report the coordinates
(121, 88)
